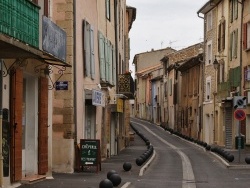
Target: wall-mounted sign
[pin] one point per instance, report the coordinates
(98, 98)
(119, 105)
(62, 85)
(54, 39)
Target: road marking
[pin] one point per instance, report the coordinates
(188, 174)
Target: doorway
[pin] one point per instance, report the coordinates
(30, 126)
(113, 134)
(90, 121)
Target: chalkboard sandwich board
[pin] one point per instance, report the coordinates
(90, 153)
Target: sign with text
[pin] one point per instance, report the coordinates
(98, 98)
(62, 85)
(90, 152)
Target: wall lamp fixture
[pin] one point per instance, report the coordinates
(216, 63)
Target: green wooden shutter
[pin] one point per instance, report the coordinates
(244, 36)
(231, 46)
(92, 55)
(86, 48)
(110, 70)
(114, 66)
(236, 43)
(102, 56)
(106, 60)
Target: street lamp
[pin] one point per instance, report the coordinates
(216, 64)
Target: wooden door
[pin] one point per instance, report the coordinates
(16, 99)
(43, 126)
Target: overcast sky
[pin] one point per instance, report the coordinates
(165, 23)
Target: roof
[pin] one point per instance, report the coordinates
(208, 6)
(190, 62)
(149, 69)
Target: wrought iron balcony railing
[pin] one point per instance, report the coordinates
(126, 85)
(20, 19)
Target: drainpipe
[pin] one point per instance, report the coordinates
(74, 70)
(241, 24)
(116, 59)
(202, 80)
(1, 124)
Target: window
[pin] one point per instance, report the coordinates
(107, 60)
(233, 44)
(209, 53)
(233, 10)
(88, 50)
(221, 69)
(108, 10)
(208, 89)
(221, 36)
(247, 73)
(170, 87)
(246, 36)
(209, 21)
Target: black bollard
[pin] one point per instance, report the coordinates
(110, 173)
(230, 158)
(127, 166)
(106, 183)
(247, 159)
(139, 161)
(115, 179)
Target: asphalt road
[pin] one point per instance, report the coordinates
(181, 164)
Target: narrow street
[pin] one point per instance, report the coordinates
(179, 163)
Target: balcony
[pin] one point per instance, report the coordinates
(126, 85)
(20, 19)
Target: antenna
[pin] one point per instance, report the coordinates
(171, 42)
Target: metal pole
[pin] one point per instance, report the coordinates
(239, 140)
(1, 124)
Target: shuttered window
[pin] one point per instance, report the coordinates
(88, 50)
(233, 44)
(102, 56)
(113, 66)
(221, 36)
(107, 60)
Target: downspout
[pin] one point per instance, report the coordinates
(241, 42)
(202, 81)
(74, 71)
(1, 124)
(116, 63)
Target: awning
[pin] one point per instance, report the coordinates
(11, 48)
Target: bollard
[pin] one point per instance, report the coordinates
(127, 166)
(106, 183)
(139, 161)
(115, 179)
(110, 173)
(247, 159)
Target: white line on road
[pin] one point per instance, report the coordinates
(188, 174)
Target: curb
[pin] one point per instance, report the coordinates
(144, 168)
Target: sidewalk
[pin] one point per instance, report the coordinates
(92, 179)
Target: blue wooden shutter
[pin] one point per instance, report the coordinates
(92, 55)
(102, 56)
